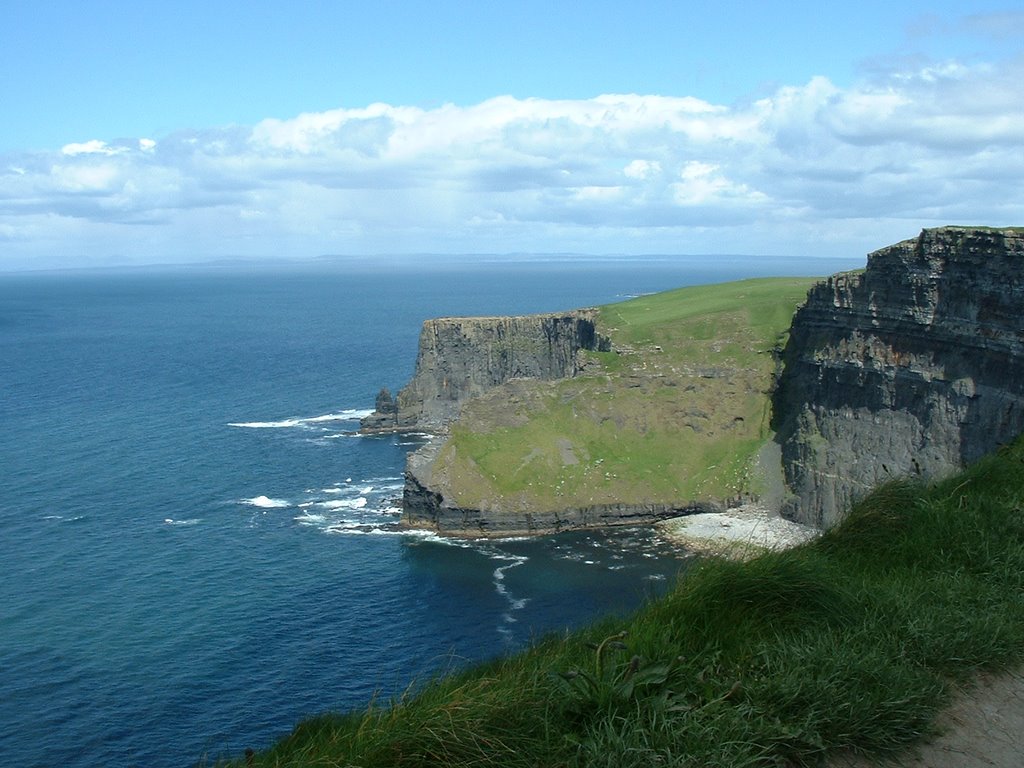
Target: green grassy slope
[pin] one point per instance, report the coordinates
(677, 413)
(850, 642)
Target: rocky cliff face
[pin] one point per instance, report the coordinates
(915, 366)
(460, 358)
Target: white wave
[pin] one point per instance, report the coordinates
(348, 488)
(265, 502)
(357, 503)
(310, 519)
(349, 414)
(266, 424)
(357, 529)
(425, 535)
(514, 603)
(190, 521)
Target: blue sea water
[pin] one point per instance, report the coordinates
(195, 549)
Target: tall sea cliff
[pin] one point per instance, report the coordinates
(913, 367)
(798, 400)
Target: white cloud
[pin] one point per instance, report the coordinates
(808, 167)
(92, 147)
(704, 184)
(642, 169)
(84, 178)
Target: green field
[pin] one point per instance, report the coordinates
(676, 413)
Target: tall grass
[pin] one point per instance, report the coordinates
(851, 642)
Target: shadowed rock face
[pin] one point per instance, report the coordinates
(460, 358)
(915, 366)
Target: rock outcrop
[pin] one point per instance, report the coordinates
(462, 357)
(913, 367)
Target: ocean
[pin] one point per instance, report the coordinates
(197, 550)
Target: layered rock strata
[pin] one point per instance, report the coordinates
(913, 367)
(462, 357)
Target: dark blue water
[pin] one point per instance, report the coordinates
(196, 552)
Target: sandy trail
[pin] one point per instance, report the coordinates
(982, 728)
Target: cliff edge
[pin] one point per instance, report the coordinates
(464, 357)
(913, 367)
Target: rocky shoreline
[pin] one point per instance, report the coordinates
(738, 533)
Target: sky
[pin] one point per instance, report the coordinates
(143, 132)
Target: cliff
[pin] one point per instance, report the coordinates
(688, 401)
(913, 367)
(630, 413)
(460, 358)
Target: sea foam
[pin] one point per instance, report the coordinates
(349, 414)
(357, 503)
(265, 502)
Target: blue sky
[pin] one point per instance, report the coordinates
(143, 132)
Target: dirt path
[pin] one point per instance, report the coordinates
(983, 728)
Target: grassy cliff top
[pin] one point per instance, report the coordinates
(677, 413)
(852, 642)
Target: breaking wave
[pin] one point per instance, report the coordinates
(265, 502)
(349, 414)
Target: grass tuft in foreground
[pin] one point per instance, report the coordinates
(851, 642)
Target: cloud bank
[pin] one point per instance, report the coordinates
(809, 169)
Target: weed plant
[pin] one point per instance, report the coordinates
(849, 643)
